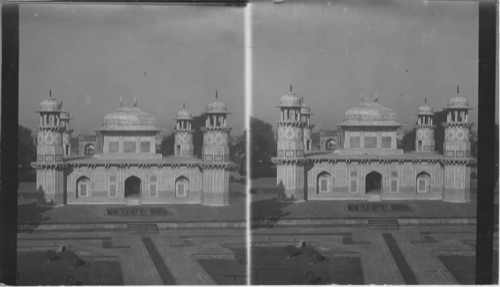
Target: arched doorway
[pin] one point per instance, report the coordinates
(373, 182)
(323, 183)
(423, 182)
(133, 187)
(82, 187)
(181, 187)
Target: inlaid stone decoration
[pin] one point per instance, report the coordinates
(360, 159)
(124, 167)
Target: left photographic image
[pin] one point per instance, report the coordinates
(131, 145)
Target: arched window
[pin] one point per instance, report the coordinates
(181, 187)
(89, 149)
(330, 145)
(152, 186)
(324, 182)
(82, 187)
(423, 182)
(112, 186)
(394, 182)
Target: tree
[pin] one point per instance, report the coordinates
(408, 141)
(167, 145)
(26, 152)
(263, 143)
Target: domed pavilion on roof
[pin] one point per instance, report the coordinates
(364, 162)
(125, 168)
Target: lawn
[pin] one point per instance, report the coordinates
(34, 268)
(273, 266)
(227, 272)
(463, 268)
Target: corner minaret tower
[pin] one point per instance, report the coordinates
(183, 134)
(290, 154)
(424, 138)
(64, 122)
(50, 153)
(305, 114)
(456, 149)
(215, 154)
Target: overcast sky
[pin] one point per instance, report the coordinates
(332, 51)
(91, 55)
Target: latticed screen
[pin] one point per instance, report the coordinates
(421, 185)
(370, 142)
(113, 146)
(386, 142)
(354, 142)
(83, 189)
(112, 190)
(324, 184)
(145, 146)
(152, 190)
(129, 147)
(394, 185)
(354, 185)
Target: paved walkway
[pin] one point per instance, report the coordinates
(179, 251)
(419, 248)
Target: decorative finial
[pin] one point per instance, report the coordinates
(216, 96)
(183, 105)
(61, 104)
(50, 93)
(121, 101)
(135, 102)
(425, 101)
(376, 97)
(458, 89)
(290, 88)
(362, 96)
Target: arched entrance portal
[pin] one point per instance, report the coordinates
(133, 187)
(373, 182)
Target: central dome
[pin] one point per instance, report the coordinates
(370, 114)
(129, 119)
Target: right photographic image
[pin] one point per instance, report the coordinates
(363, 145)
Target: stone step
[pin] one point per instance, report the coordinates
(382, 223)
(133, 201)
(374, 197)
(142, 228)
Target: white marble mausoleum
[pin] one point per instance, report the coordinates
(127, 169)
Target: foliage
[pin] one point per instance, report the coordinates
(309, 277)
(315, 255)
(408, 141)
(76, 261)
(167, 145)
(26, 147)
(263, 143)
(52, 255)
(291, 251)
